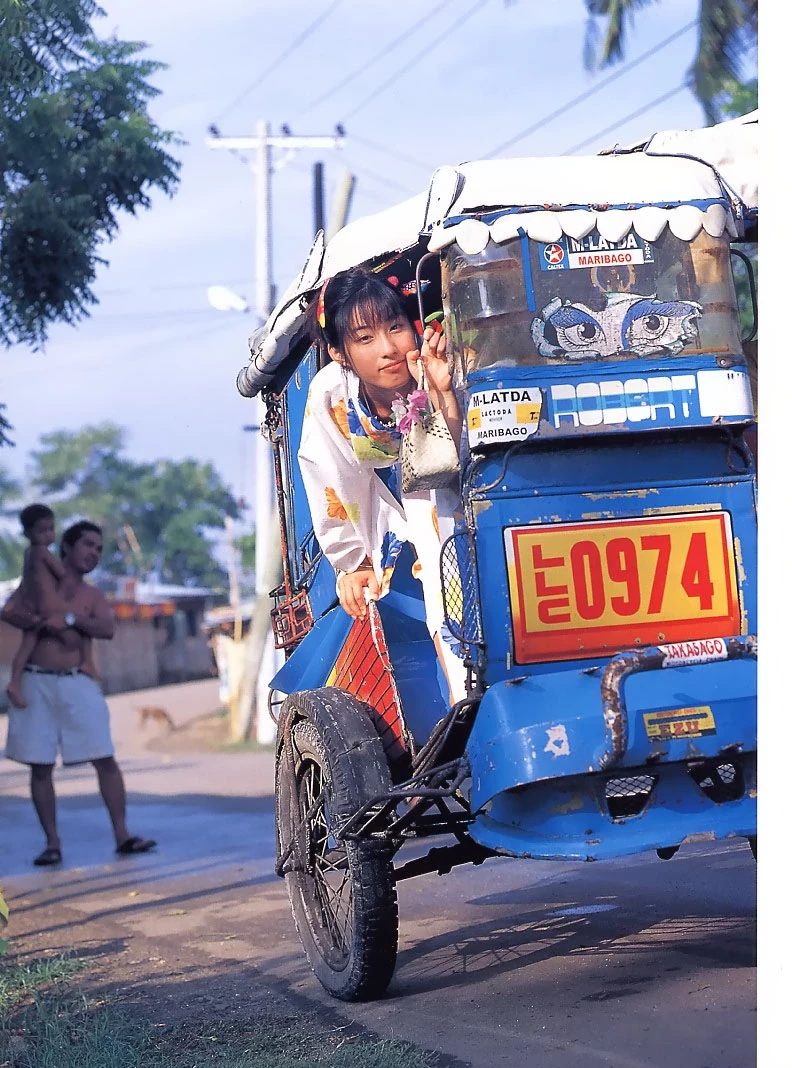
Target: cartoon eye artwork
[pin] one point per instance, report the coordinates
(628, 324)
(569, 330)
(652, 325)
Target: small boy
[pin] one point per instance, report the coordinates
(42, 574)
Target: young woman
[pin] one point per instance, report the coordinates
(350, 448)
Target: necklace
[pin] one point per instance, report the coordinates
(388, 419)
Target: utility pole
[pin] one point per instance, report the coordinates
(341, 203)
(263, 142)
(318, 186)
(267, 553)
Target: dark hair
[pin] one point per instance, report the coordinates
(29, 516)
(71, 536)
(348, 292)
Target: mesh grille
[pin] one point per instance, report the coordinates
(460, 590)
(727, 773)
(635, 784)
(721, 781)
(627, 795)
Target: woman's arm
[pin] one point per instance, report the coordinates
(351, 588)
(438, 378)
(339, 492)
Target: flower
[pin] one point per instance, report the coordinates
(415, 409)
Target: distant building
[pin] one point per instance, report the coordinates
(159, 636)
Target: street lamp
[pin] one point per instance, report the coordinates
(224, 299)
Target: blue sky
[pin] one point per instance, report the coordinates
(154, 356)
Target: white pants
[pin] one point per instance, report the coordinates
(64, 712)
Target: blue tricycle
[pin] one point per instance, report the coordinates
(601, 586)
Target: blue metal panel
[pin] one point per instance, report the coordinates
(552, 724)
(566, 820)
(631, 396)
(319, 580)
(421, 686)
(312, 661)
(509, 505)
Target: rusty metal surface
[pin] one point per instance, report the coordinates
(632, 662)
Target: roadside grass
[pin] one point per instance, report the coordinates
(46, 1021)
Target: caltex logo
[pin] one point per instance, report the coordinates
(554, 254)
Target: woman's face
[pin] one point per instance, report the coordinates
(377, 352)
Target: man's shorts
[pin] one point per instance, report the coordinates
(64, 712)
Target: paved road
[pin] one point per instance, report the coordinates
(622, 964)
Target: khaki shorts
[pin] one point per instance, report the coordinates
(64, 712)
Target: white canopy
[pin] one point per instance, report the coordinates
(732, 148)
(675, 178)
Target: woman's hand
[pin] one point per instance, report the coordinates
(433, 356)
(351, 591)
(438, 378)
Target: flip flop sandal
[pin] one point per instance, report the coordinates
(135, 845)
(51, 855)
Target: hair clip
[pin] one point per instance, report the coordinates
(320, 307)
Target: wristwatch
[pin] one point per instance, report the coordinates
(70, 619)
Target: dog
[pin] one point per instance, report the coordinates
(157, 715)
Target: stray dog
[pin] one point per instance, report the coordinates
(158, 715)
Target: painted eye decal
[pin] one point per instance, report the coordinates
(627, 325)
(653, 325)
(574, 328)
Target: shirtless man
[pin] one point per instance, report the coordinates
(66, 709)
(42, 574)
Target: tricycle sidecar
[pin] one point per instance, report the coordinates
(601, 584)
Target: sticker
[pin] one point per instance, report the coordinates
(684, 398)
(724, 393)
(594, 251)
(667, 398)
(701, 652)
(629, 323)
(498, 415)
(680, 723)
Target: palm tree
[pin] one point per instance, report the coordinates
(727, 32)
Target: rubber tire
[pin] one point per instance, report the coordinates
(332, 729)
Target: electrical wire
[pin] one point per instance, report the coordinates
(355, 167)
(283, 55)
(389, 152)
(386, 51)
(627, 118)
(135, 290)
(590, 92)
(414, 61)
(141, 352)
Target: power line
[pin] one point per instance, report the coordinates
(143, 351)
(390, 152)
(283, 55)
(627, 118)
(355, 167)
(375, 59)
(431, 47)
(134, 290)
(590, 92)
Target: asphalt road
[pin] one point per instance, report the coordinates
(620, 964)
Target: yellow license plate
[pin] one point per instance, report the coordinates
(584, 589)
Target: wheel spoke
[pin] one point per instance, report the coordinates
(330, 865)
